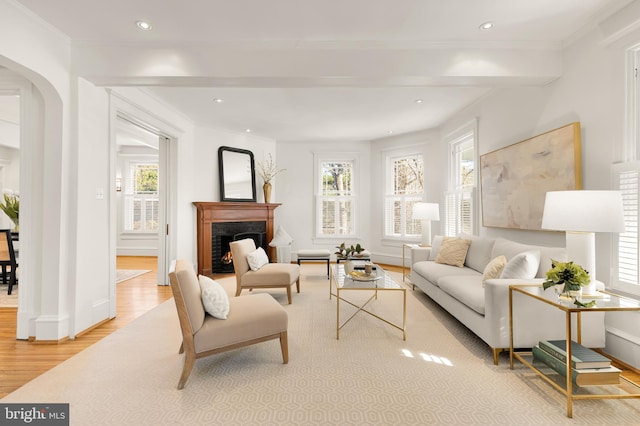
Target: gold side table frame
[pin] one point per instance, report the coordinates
(343, 283)
(612, 303)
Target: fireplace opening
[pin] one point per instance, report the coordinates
(225, 232)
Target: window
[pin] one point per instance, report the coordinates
(141, 198)
(335, 196)
(460, 204)
(627, 180)
(404, 188)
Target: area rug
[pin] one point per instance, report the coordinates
(442, 374)
(127, 274)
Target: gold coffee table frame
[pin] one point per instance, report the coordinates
(343, 282)
(609, 302)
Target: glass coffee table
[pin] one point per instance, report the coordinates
(375, 282)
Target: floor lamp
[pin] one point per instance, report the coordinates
(426, 212)
(581, 214)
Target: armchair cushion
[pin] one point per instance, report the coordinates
(214, 298)
(257, 259)
(271, 273)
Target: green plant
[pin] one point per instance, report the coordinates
(344, 251)
(568, 273)
(11, 207)
(268, 170)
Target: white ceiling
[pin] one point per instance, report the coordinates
(297, 70)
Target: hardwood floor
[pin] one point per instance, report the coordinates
(21, 361)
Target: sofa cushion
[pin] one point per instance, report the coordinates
(522, 266)
(509, 249)
(494, 268)
(479, 253)
(435, 247)
(465, 288)
(453, 251)
(433, 271)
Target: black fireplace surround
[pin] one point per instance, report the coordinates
(223, 233)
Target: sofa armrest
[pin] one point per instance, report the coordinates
(419, 254)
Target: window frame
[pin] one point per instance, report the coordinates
(389, 196)
(337, 157)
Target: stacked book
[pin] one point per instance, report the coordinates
(588, 367)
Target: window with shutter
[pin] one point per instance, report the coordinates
(141, 198)
(627, 180)
(335, 195)
(404, 187)
(460, 202)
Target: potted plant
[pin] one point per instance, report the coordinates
(346, 252)
(11, 207)
(571, 276)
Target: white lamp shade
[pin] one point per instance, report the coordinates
(583, 211)
(429, 211)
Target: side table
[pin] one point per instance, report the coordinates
(608, 302)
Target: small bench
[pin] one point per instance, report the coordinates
(315, 254)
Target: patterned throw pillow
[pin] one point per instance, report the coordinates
(494, 268)
(257, 259)
(453, 251)
(214, 298)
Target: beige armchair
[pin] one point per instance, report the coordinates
(251, 319)
(271, 275)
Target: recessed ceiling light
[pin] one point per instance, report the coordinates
(486, 25)
(418, 101)
(248, 130)
(143, 25)
(218, 100)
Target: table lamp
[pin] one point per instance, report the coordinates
(426, 212)
(581, 214)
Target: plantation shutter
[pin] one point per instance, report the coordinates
(459, 207)
(627, 180)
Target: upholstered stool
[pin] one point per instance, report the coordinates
(315, 254)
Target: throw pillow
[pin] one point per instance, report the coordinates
(257, 259)
(522, 266)
(214, 298)
(453, 251)
(435, 247)
(494, 268)
(281, 238)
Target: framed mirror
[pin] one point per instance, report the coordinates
(237, 174)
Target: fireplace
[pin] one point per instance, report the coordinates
(222, 222)
(222, 233)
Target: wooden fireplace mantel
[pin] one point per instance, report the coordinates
(211, 212)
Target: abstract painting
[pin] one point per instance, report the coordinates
(515, 179)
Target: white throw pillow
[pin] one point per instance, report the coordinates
(281, 238)
(257, 259)
(494, 268)
(522, 266)
(214, 298)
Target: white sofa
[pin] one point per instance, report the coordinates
(484, 309)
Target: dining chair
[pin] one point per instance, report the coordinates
(8, 259)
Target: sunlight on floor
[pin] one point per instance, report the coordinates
(429, 358)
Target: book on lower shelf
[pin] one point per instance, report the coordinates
(581, 356)
(582, 377)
